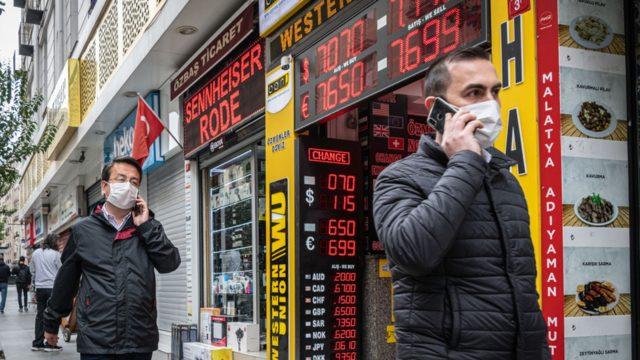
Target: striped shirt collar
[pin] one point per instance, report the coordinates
(112, 219)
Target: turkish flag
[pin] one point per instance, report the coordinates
(147, 129)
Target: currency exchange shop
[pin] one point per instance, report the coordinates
(223, 126)
(344, 99)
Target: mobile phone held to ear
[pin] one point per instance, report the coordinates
(438, 114)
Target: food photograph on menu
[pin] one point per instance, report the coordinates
(596, 281)
(595, 192)
(593, 104)
(592, 25)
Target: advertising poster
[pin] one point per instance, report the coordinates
(595, 173)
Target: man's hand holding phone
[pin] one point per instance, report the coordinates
(458, 134)
(140, 212)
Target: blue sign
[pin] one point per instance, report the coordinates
(120, 141)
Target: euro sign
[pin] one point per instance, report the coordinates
(311, 243)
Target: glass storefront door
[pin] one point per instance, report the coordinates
(233, 210)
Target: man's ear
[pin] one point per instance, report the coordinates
(428, 102)
(105, 187)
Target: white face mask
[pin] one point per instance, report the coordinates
(488, 112)
(122, 195)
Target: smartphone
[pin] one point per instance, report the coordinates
(438, 113)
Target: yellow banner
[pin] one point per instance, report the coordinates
(280, 179)
(513, 53)
(63, 108)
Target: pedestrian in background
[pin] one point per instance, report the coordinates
(23, 281)
(45, 263)
(5, 273)
(116, 250)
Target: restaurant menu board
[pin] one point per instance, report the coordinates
(595, 199)
(330, 250)
(381, 47)
(391, 135)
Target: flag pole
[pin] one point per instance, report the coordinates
(162, 122)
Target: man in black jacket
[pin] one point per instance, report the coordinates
(5, 273)
(455, 227)
(115, 250)
(23, 280)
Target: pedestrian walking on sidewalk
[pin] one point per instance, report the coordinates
(455, 227)
(115, 250)
(5, 273)
(23, 281)
(45, 263)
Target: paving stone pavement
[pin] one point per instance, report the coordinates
(17, 333)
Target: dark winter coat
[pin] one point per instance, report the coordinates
(456, 232)
(5, 272)
(116, 299)
(22, 273)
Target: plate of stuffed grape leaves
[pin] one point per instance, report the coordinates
(591, 32)
(594, 210)
(594, 119)
(597, 297)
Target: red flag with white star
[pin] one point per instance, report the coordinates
(147, 129)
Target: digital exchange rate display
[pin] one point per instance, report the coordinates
(380, 47)
(330, 249)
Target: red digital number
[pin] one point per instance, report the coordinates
(346, 300)
(344, 334)
(345, 356)
(344, 277)
(348, 44)
(341, 227)
(345, 322)
(403, 11)
(341, 182)
(344, 288)
(424, 44)
(344, 311)
(341, 248)
(341, 88)
(340, 345)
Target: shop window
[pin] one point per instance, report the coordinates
(235, 243)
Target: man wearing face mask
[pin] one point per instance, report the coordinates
(455, 228)
(115, 250)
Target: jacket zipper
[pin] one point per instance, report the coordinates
(507, 258)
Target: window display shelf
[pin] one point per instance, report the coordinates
(234, 249)
(232, 204)
(230, 227)
(212, 190)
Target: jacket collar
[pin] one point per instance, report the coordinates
(98, 214)
(430, 148)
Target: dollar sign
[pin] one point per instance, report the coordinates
(310, 199)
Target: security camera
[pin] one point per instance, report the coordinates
(285, 61)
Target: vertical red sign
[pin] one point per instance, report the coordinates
(550, 174)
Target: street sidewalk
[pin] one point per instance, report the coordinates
(17, 333)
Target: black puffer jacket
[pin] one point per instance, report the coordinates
(456, 233)
(116, 301)
(5, 272)
(22, 273)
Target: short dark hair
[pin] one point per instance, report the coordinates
(437, 78)
(51, 242)
(106, 171)
(22, 258)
